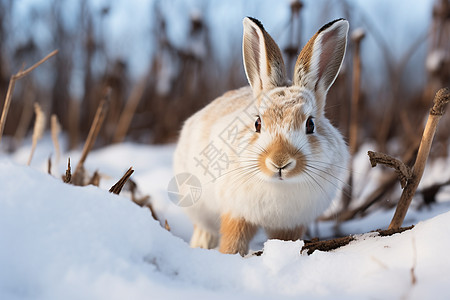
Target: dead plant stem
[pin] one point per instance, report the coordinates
(440, 101)
(12, 82)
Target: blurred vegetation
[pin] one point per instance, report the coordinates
(183, 76)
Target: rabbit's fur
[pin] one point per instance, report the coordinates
(266, 155)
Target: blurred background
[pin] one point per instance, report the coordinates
(164, 60)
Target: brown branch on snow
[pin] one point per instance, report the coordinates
(92, 136)
(329, 245)
(117, 188)
(12, 82)
(404, 173)
(143, 201)
(440, 102)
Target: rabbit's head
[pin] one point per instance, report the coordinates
(293, 137)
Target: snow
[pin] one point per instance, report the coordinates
(59, 241)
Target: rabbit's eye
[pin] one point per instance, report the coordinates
(309, 125)
(258, 125)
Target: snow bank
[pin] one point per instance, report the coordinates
(59, 241)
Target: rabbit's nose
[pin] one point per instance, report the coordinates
(278, 166)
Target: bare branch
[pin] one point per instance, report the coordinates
(11, 85)
(329, 245)
(404, 172)
(117, 188)
(24, 73)
(440, 101)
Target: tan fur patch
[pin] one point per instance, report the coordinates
(304, 59)
(286, 234)
(291, 116)
(236, 235)
(275, 64)
(280, 151)
(283, 108)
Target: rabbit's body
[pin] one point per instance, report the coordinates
(265, 155)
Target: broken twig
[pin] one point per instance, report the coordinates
(404, 172)
(68, 177)
(117, 188)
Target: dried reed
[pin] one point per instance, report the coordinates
(38, 130)
(12, 82)
(93, 133)
(56, 130)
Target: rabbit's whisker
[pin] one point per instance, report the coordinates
(328, 180)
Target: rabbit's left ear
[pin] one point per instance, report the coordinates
(263, 61)
(319, 62)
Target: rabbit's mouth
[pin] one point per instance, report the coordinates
(279, 171)
(281, 160)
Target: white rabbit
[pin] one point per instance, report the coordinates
(266, 155)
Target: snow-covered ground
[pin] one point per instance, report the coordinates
(58, 241)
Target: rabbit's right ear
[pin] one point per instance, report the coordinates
(263, 61)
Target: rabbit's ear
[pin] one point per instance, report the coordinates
(263, 62)
(319, 62)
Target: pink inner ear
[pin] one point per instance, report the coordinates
(255, 47)
(252, 55)
(328, 47)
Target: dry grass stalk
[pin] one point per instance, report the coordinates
(117, 188)
(38, 130)
(128, 112)
(357, 37)
(26, 116)
(80, 178)
(12, 82)
(55, 129)
(440, 102)
(95, 179)
(67, 178)
(49, 165)
(93, 132)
